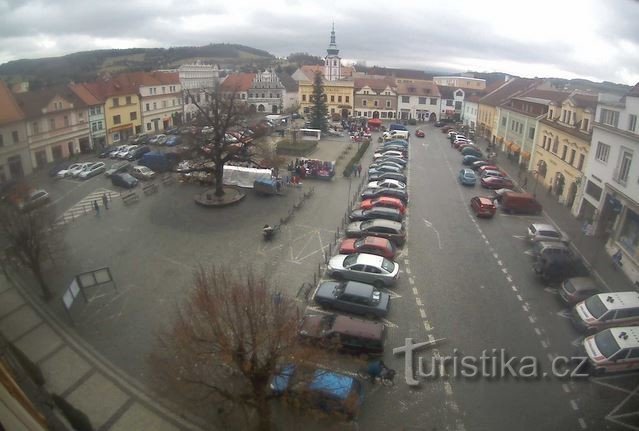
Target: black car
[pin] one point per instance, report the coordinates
(124, 180)
(388, 176)
(138, 152)
(106, 152)
(555, 269)
(353, 297)
(376, 212)
(392, 193)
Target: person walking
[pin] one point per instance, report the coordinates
(96, 207)
(105, 201)
(359, 169)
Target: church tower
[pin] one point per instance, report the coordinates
(332, 61)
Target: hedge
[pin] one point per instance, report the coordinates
(300, 148)
(348, 169)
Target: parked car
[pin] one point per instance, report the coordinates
(75, 172)
(388, 153)
(116, 150)
(419, 133)
(383, 201)
(555, 268)
(605, 310)
(384, 168)
(153, 140)
(384, 162)
(142, 173)
(62, 166)
(367, 268)
(544, 232)
(63, 173)
(523, 203)
(483, 206)
(388, 184)
(116, 168)
(376, 212)
(172, 141)
(612, 350)
(93, 170)
(577, 289)
(391, 230)
(400, 194)
(388, 176)
(467, 177)
(490, 167)
(137, 152)
(491, 173)
(161, 139)
(353, 297)
(478, 164)
(438, 124)
(472, 151)
(343, 333)
(172, 131)
(398, 160)
(499, 194)
(35, 199)
(122, 153)
(141, 139)
(321, 389)
(368, 244)
(470, 159)
(124, 180)
(496, 182)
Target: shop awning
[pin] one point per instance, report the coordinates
(122, 127)
(375, 122)
(525, 155)
(515, 148)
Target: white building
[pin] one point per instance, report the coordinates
(611, 193)
(419, 100)
(161, 100)
(197, 80)
(266, 93)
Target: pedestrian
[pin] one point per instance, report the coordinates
(96, 207)
(359, 170)
(105, 201)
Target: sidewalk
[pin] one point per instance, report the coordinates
(73, 370)
(592, 249)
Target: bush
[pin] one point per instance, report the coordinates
(300, 148)
(412, 122)
(78, 420)
(348, 169)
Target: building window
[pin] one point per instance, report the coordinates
(405, 99)
(586, 124)
(66, 121)
(133, 115)
(531, 133)
(555, 145)
(339, 99)
(35, 128)
(582, 159)
(422, 101)
(116, 137)
(15, 136)
(332, 98)
(148, 107)
(155, 105)
(116, 102)
(51, 123)
(303, 97)
(364, 102)
(603, 151)
(388, 103)
(116, 119)
(564, 152)
(148, 126)
(573, 153)
(611, 118)
(128, 100)
(593, 190)
(543, 144)
(348, 99)
(503, 121)
(375, 103)
(624, 167)
(433, 101)
(632, 123)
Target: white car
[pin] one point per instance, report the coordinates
(142, 173)
(389, 153)
(67, 172)
(92, 170)
(35, 199)
(544, 232)
(78, 169)
(113, 155)
(386, 184)
(124, 151)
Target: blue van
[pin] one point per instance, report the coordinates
(321, 389)
(396, 126)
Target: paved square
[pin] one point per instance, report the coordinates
(9, 301)
(63, 369)
(99, 399)
(39, 342)
(138, 417)
(19, 322)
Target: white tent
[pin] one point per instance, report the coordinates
(244, 177)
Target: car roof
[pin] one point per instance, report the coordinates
(626, 336)
(616, 300)
(360, 327)
(386, 223)
(583, 283)
(485, 200)
(382, 210)
(369, 259)
(376, 241)
(334, 384)
(544, 226)
(387, 199)
(358, 289)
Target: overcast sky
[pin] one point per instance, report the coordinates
(593, 39)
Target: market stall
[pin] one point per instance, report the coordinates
(312, 169)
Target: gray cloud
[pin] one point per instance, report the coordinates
(420, 35)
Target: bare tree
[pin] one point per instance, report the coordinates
(226, 341)
(27, 240)
(224, 112)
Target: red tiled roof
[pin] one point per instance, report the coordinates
(9, 109)
(84, 92)
(552, 95)
(507, 90)
(238, 82)
(584, 100)
(33, 102)
(421, 88)
(374, 84)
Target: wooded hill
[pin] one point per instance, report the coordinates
(87, 65)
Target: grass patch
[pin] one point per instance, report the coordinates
(299, 148)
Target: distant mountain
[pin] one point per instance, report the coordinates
(87, 65)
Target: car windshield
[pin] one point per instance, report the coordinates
(387, 265)
(550, 233)
(350, 260)
(358, 243)
(606, 343)
(595, 306)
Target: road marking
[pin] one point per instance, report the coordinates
(537, 331)
(565, 387)
(500, 263)
(422, 313)
(495, 255)
(577, 341)
(509, 278)
(427, 326)
(514, 288)
(519, 236)
(531, 319)
(389, 323)
(520, 299)
(415, 292)
(419, 302)
(430, 225)
(551, 290)
(504, 270)
(406, 262)
(448, 389)
(544, 344)
(411, 280)
(550, 357)
(407, 270)
(566, 314)
(530, 253)
(574, 405)
(582, 423)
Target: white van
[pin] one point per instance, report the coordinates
(606, 310)
(613, 350)
(396, 134)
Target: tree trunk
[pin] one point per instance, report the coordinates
(263, 414)
(37, 272)
(219, 179)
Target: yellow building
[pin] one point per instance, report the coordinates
(339, 96)
(487, 107)
(562, 145)
(121, 107)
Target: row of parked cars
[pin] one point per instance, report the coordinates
(355, 295)
(610, 319)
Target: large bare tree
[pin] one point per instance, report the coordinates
(226, 341)
(223, 112)
(27, 240)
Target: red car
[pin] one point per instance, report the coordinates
(496, 183)
(370, 245)
(383, 201)
(459, 142)
(481, 169)
(483, 206)
(419, 133)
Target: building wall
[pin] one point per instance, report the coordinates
(128, 108)
(97, 125)
(461, 82)
(487, 119)
(516, 134)
(416, 106)
(469, 117)
(14, 151)
(339, 90)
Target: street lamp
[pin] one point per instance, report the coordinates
(535, 173)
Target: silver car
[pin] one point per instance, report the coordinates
(368, 268)
(92, 170)
(544, 232)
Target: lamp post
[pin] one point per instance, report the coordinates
(536, 174)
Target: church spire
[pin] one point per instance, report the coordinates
(332, 48)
